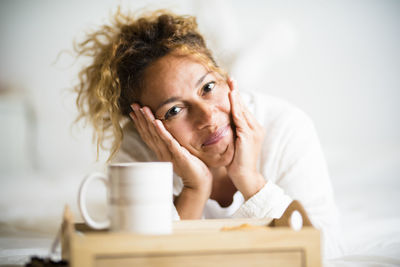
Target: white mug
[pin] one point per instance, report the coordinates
(139, 197)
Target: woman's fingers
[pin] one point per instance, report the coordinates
(144, 120)
(152, 130)
(140, 121)
(169, 140)
(237, 113)
(235, 105)
(157, 136)
(148, 115)
(231, 83)
(241, 114)
(159, 143)
(248, 116)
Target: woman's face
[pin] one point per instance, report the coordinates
(193, 104)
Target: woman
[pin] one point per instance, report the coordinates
(234, 154)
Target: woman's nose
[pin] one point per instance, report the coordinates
(204, 115)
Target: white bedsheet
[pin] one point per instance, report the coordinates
(31, 207)
(366, 182)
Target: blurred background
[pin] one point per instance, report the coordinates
(337, 60)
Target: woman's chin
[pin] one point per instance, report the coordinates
(221, 159)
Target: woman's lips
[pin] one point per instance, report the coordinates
(216, 136)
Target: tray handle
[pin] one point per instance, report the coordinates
(284, 220)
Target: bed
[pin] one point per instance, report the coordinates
(316, 55)
(365, 179)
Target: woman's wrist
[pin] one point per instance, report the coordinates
(200, 187)
(249, 184)
(190, 203)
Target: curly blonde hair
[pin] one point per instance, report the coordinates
(120, 53)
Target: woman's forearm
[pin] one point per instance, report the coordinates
(190, 203)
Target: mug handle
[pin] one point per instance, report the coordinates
(82, 200)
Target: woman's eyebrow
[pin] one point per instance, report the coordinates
(176, 98)
(169, 100)
(202, 79)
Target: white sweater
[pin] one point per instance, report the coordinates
(291, 162)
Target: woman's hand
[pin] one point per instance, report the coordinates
(192, 170)
(249, 137)
(196, 177)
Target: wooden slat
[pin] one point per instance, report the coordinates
(239, 259)
(214, 225)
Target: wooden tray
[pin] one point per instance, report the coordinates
(197, 243)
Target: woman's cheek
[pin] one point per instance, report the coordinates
(178, 131)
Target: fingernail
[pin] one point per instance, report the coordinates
(134, 106)
(158, 123)
(141, 110)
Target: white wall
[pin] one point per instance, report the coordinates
(338, 60)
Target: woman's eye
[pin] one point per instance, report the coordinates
(172, 112)
(208, 87)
